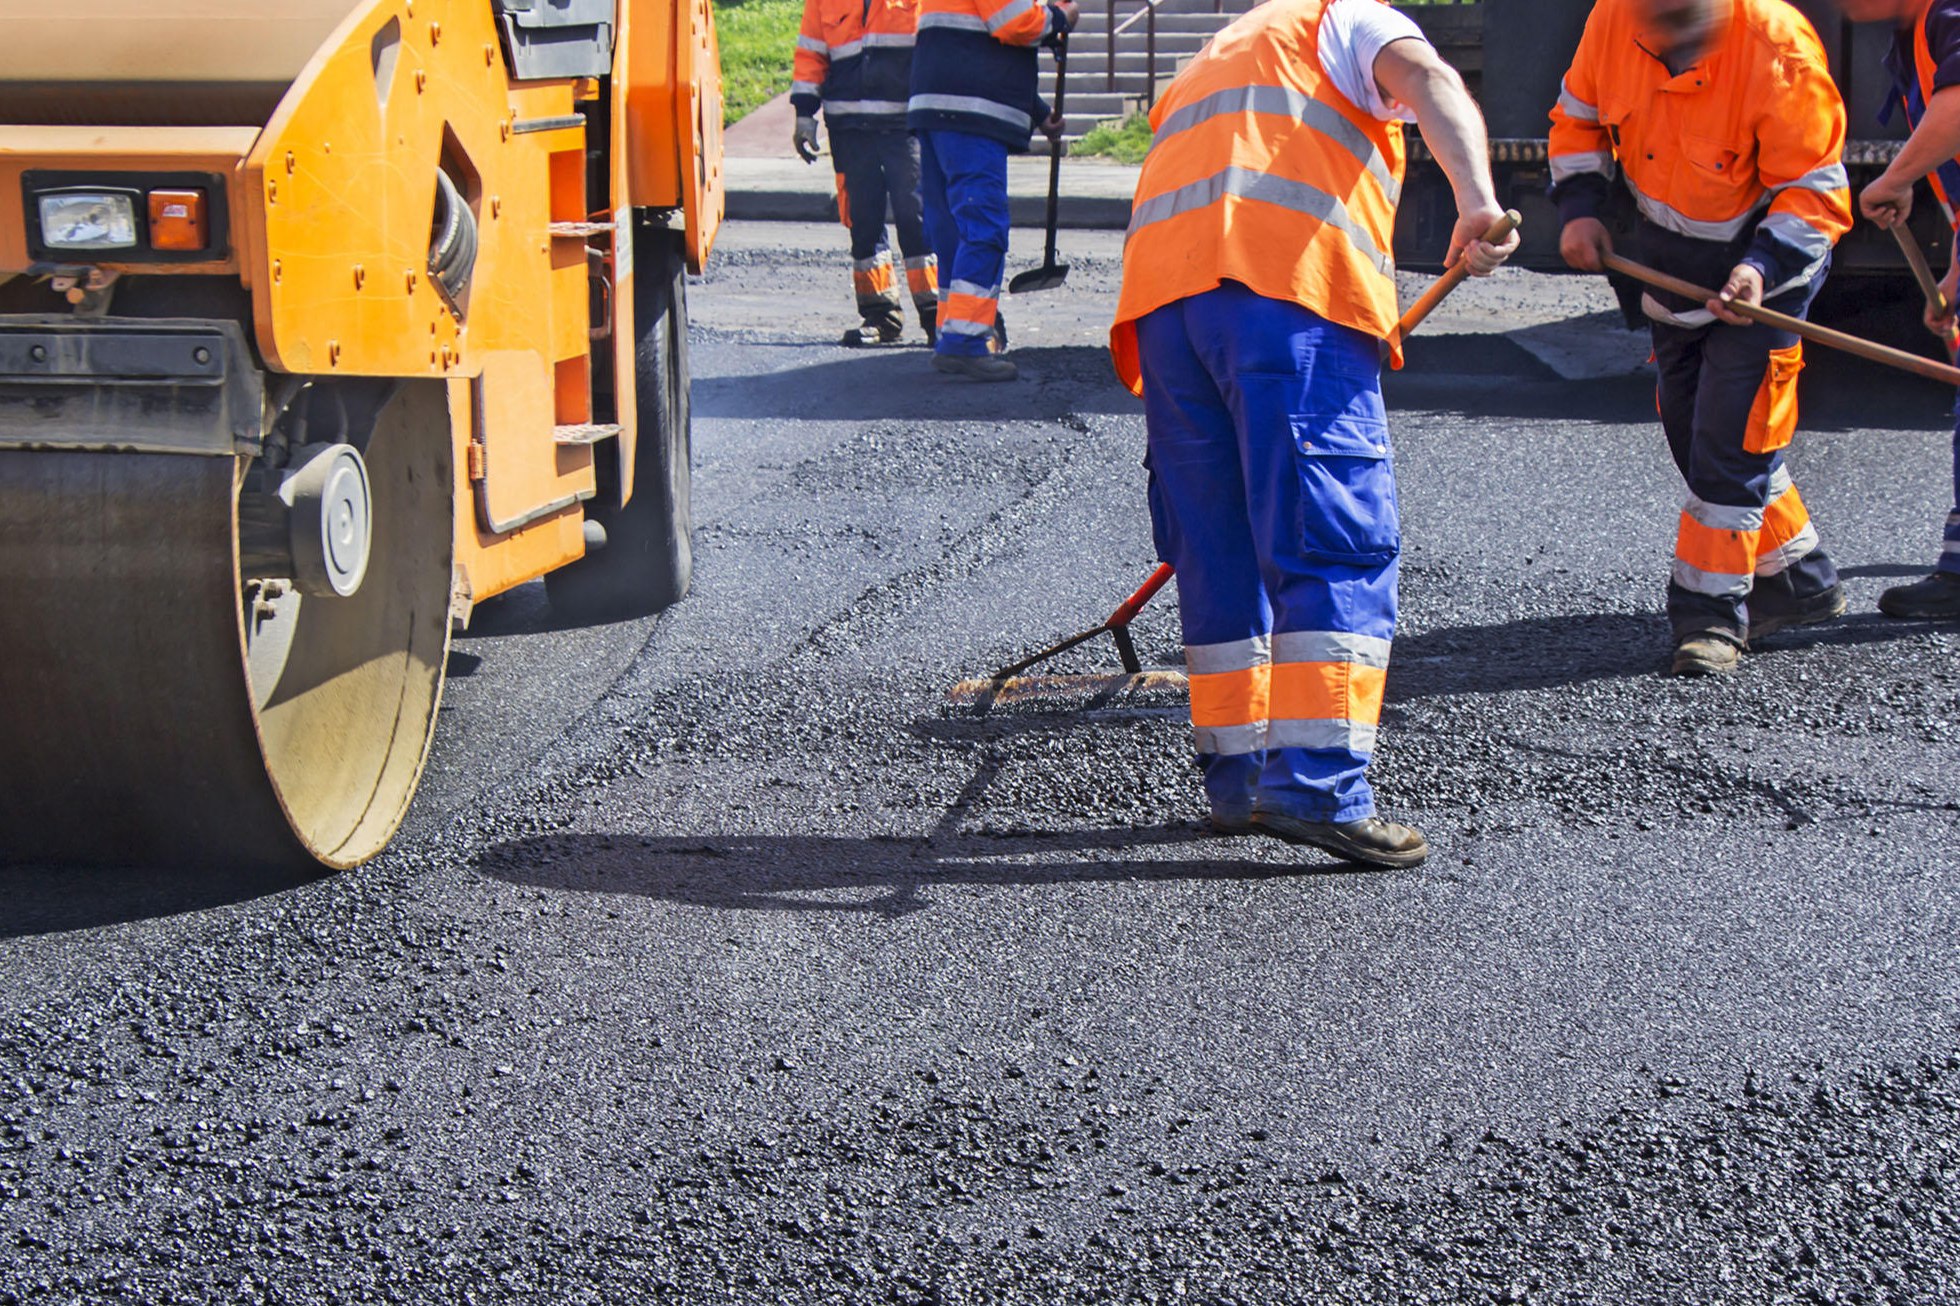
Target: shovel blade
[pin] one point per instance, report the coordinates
(1046, 277)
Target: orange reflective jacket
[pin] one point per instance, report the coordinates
(1915, 90)
(1263, 173)
(855, 59)
(1747, 142)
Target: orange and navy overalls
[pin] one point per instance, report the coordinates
(974, 101)
(1736, 158)
(854, 60)
(1258, 291)
(1926, 58)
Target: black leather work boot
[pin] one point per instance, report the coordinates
(1370, 840)
(1937, 598)
(1823, 606)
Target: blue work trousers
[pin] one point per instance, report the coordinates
(1710, 394)
(1272, 493)
(963, 182)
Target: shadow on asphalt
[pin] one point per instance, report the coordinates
(873, 385)
(890, 877)
(54, 900)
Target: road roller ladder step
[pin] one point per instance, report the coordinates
(580, 230)
(584, 433)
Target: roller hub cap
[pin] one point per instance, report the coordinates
(332, 521)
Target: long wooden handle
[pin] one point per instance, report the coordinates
(1452, 278)
(1866, 349)
(1929, 285)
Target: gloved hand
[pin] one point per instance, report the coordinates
(806, 139)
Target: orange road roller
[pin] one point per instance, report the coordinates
(320, 322)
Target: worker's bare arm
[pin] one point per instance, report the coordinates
(1410, 72)
(1888, 200)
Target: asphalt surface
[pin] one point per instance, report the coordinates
(724, 960)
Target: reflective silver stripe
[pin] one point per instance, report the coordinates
(959, 326)
(1285, 102)
(1330, 646)
(1781, 559)
(971, 104)
(973, 288)
(1799, 234)
(873, 263)
(1007, 13)
(1230, 739)
(957, 22)
(891, 40)
(848, 50)
(1672, 219)
(1571, 165)
(1713, 583)
(835, 107)
(1267, 189)
(1951, 546)
(1575, 108)
(812, 44)
(1353, 736)
(1723, 517)
(923, 261)
(1830, 177)
(802, 88)
(1221, 659)
(1780, 483)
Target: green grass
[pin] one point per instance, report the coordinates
(758, 43)
(1125, 142)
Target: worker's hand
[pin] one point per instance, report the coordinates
(1944, 324)
(1467, 241)
(1584, 244)
(1052, 126)
(806, 139)
(1071, 13)
(1745, 286)
(1887, 201)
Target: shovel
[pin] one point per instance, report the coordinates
(1050, 274)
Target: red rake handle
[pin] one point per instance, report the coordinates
(1124, 615)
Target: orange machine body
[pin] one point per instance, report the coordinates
(322, 126)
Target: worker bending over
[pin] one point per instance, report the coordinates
(1925, 67)
(1258, 300)
(854, 59)
(1723, 119)
(974, 101)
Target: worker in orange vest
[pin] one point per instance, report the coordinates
(854, 61)
(1925, 66)
(1723, 119)
(1258, 300)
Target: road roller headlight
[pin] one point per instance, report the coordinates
(87, 220)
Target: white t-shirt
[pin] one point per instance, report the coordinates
(1352, 33)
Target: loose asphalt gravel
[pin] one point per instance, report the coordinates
(724, 960)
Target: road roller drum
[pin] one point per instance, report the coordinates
(320, 324)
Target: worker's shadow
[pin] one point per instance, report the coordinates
(889, 877)
(899, 384)
(883, 876)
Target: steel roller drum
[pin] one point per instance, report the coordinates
(156, 710)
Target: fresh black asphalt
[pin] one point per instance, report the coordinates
(724, 960)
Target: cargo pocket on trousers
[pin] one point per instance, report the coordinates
(1346, 511)
(1159, 514)
(1773, 417)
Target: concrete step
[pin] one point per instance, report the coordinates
(1095, 106)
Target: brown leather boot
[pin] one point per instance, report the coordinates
(1706, 653)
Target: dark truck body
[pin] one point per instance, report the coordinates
(1513, 54)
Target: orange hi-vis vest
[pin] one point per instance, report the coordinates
(1262, 172)
(1749, 137)
(1916, 96)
